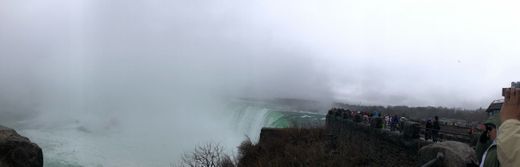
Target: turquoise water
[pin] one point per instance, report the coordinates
(250, 119)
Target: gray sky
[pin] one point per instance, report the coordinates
(456, 54)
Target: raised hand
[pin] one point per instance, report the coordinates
(511, 107)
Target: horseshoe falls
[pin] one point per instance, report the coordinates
(113, 141)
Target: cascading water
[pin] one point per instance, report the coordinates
(249, 120)
(75, 143)
(250, 117)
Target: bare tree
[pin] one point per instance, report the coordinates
(207, 155)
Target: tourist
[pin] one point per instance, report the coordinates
(393, 122)
(436, 129)
(489, 158)
(428, 131)
(365, 118)
(357, 117)
(508, 140)
(387, 121)
(483, 142)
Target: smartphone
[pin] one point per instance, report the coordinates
(513, 85)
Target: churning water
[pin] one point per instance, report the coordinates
(77, 144)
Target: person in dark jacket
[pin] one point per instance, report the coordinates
(436, 129)
(428, 131)
(490, 157)
(483, 144)
(394, 122)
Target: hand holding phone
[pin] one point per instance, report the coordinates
(511, 107)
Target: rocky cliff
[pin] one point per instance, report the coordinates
(18, 151)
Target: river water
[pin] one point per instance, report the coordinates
(118, 143)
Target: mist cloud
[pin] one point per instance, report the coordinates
(77, 54)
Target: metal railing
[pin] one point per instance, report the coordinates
(440, 157)
(446, 135)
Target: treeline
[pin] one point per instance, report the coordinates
(420, 113)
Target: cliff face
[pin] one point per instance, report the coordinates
(316, 147)
(347, 142)
(338, 126)
(354, 146)
(342, 126)
(18, 151)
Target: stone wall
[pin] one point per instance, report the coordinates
(341, 125)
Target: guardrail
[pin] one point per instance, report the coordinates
(444, 135)
(417, 131)
(439, 157)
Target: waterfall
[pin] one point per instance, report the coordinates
(249, 120)
(150, 140)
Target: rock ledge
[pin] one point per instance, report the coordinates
(18, 151)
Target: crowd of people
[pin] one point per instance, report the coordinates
(373, 119)
(498, 144)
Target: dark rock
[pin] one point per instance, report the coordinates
(271, 135)
(411, 130)
(83, 129)
(18, 151)
(455, 154)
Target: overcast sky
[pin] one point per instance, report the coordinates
(403, 52)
